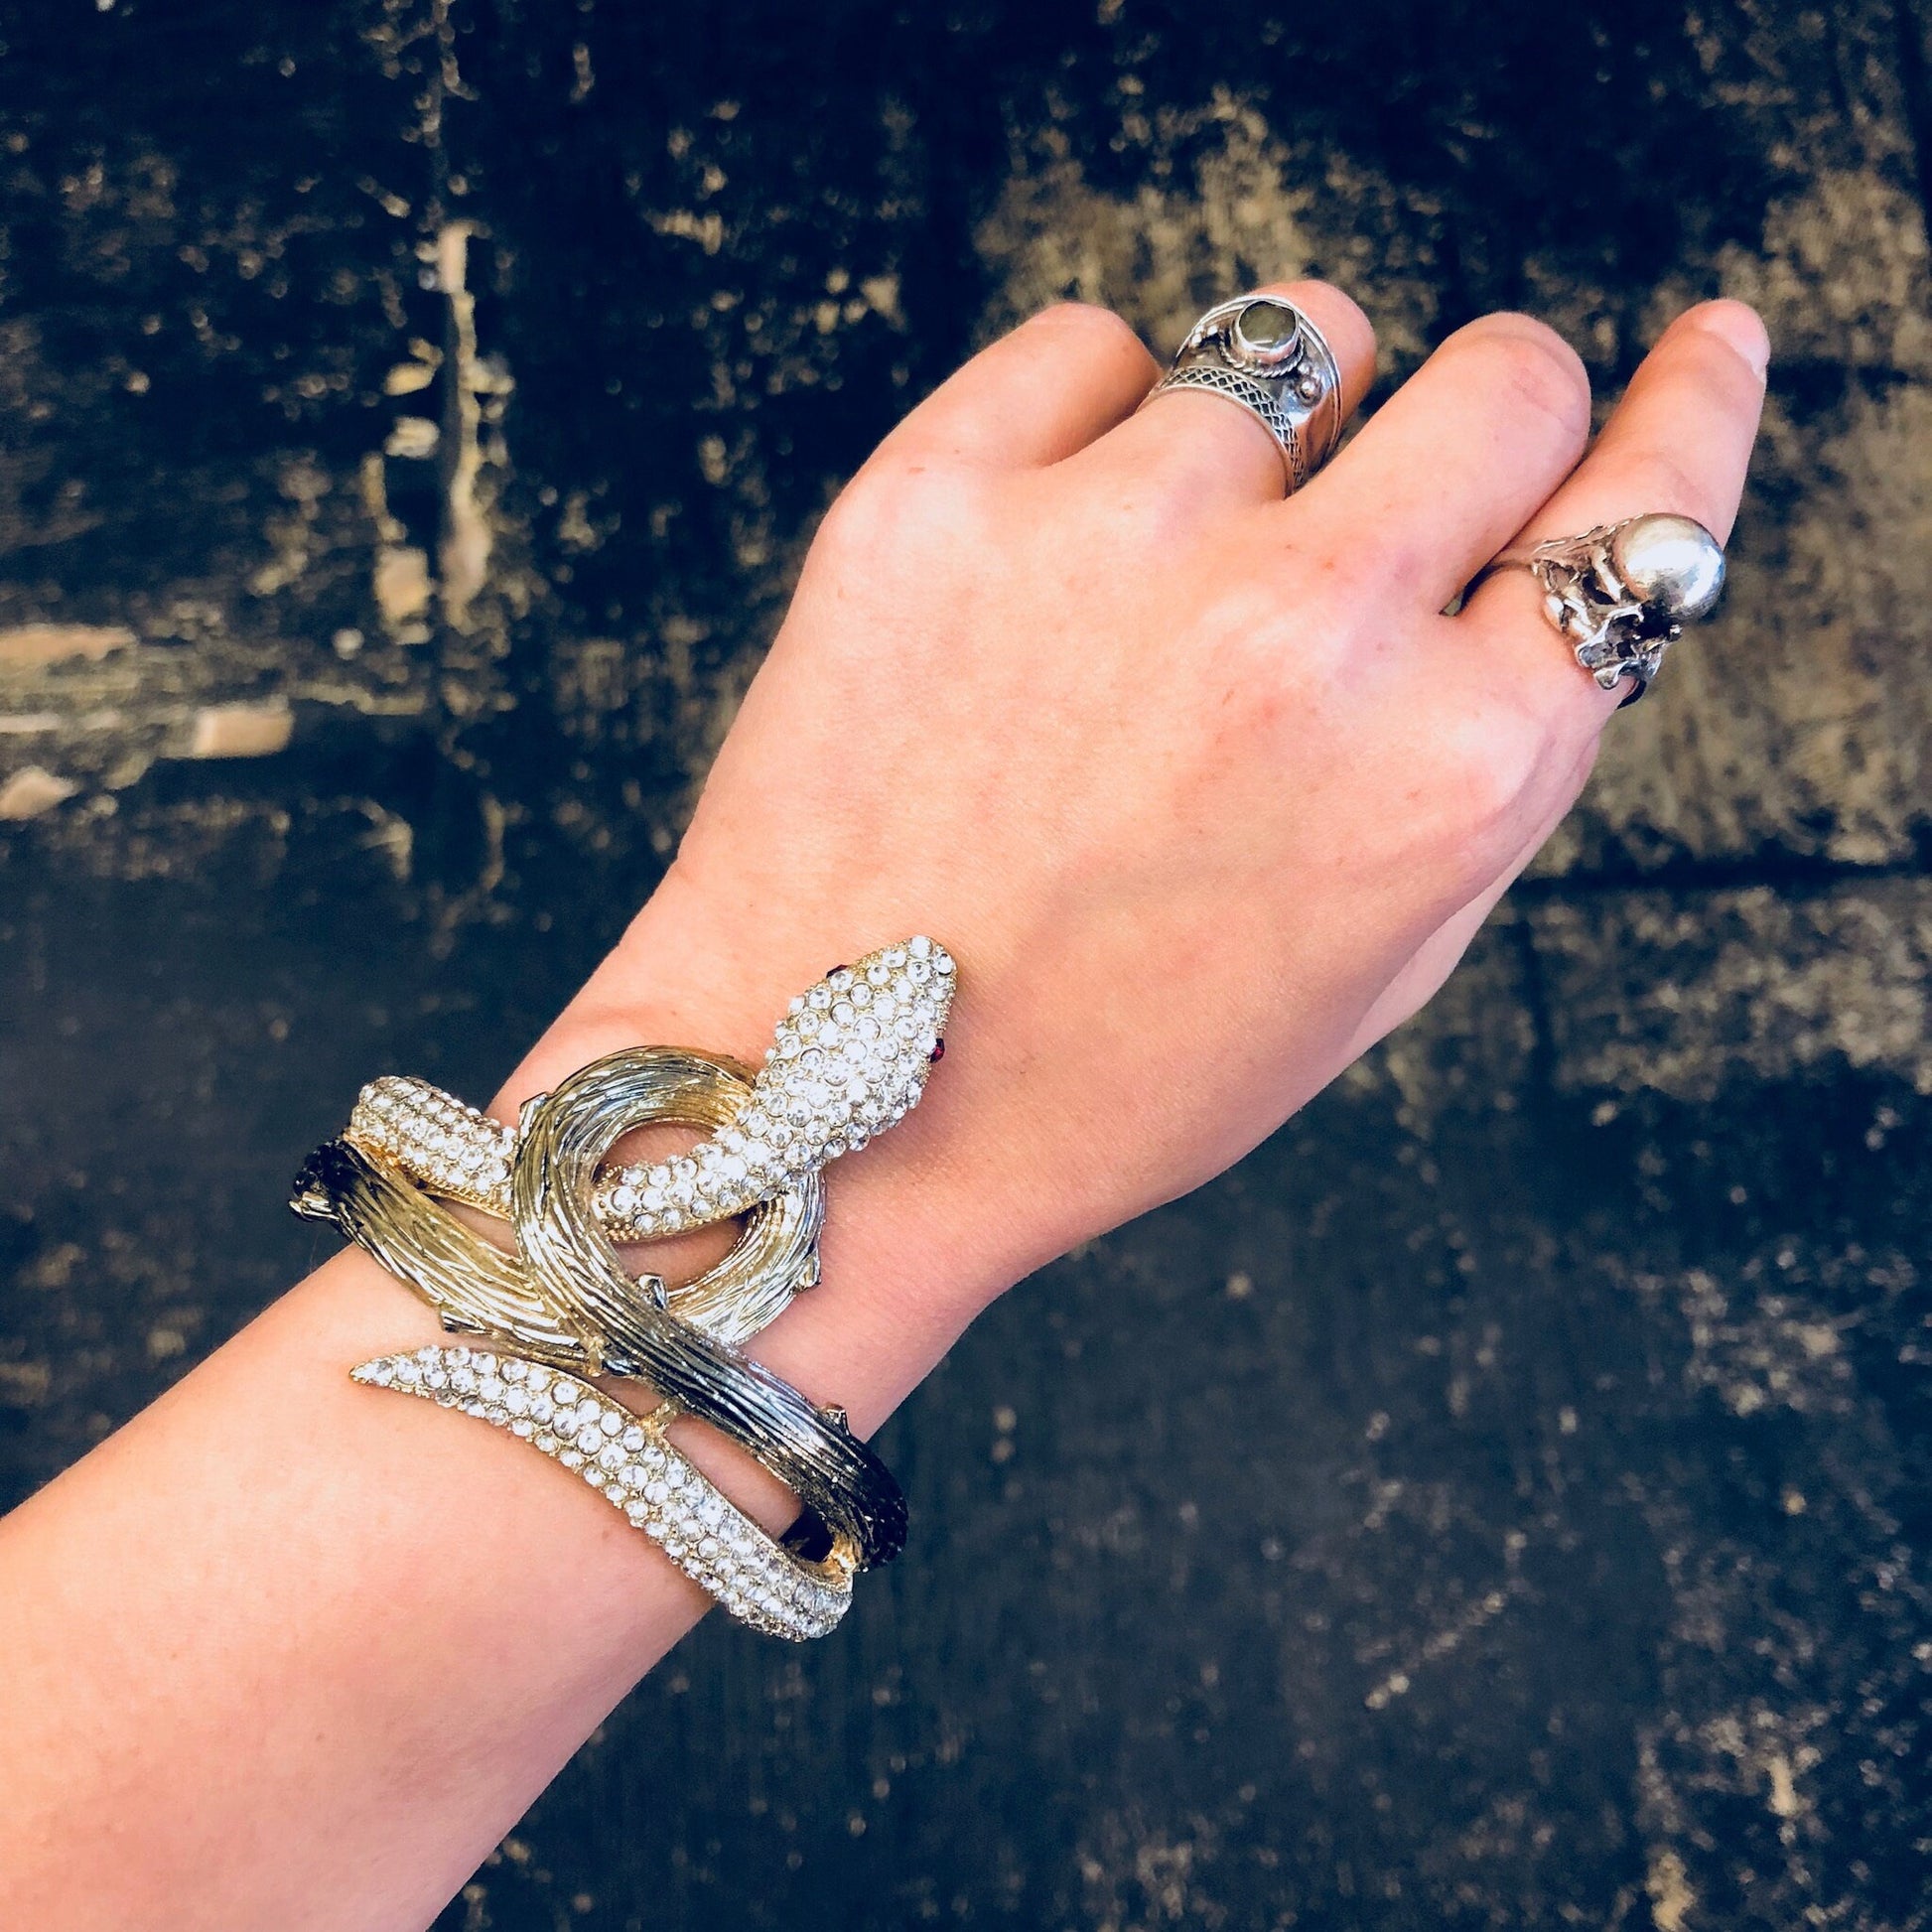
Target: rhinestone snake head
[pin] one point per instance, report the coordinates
(850, 1058)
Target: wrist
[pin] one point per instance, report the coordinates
(913, 1244)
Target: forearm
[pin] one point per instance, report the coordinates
(287, 1650)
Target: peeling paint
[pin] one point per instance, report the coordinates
(241, 730)
(31, 791)
(29, 645)
(463, 555)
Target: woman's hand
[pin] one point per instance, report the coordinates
(1199, 784)
(1203, 793)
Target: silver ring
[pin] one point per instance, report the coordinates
(1620, 594)
(1265, 355)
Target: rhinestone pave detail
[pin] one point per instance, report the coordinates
(850, 1058)
(637, 1472)
(437, 1140)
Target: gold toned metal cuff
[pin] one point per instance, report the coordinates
(850, 1058)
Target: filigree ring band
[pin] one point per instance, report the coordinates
(1266, 357)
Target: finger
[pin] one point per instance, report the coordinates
(1448, 468)
(1040, 392)
(1216, 451)
(1679, 441)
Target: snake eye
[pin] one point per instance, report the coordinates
(938, 1052)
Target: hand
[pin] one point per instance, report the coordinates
(1203, 793)
(1199, 784)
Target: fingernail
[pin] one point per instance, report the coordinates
(1739, 326)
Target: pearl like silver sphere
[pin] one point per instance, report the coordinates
(1673, 563)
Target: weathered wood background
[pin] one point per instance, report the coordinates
(1503, 1499)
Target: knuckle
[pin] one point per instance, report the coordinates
(1536, 371)
(1143, 517)
(908, 508)
(1716, 340)
(1660, 479)
(1097, 332)
(1102, 324)
(1486, 779)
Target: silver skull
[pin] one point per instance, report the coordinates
(1671, 564)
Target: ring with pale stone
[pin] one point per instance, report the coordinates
(1266, 357)
(850, 1058)
(1620, 594)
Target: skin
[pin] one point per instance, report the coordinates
(1205, 793)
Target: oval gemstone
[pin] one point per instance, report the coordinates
(1268, 325)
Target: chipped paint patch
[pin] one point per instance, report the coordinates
(401, 583)
(241, 730)
(32, 645)
(1671, 1897)
(30, 791)
(464, 554)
